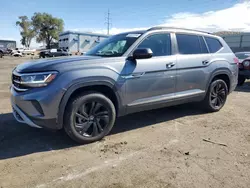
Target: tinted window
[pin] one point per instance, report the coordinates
(203, 45)
(213, 44)
(160, 44)
(188, 44)
(114, 46)
(242, 55)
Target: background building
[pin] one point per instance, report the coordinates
(237, 41)
(8, 44)
(79, 41)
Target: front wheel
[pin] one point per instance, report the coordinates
(89, 117)
(216, 96)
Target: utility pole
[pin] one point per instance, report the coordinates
(108, 22)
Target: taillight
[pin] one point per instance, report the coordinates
(236, 60)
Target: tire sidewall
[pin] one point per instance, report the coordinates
(74, 106)
(209, 94)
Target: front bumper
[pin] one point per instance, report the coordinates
(21, 117)
(37, 107)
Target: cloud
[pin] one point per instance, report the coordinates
(235, 18)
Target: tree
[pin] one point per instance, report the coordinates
(47, 27)
(26, 30)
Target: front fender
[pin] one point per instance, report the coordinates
(80, 83)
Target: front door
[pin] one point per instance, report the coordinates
(151, 81)
(192, 65)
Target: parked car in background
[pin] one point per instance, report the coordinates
(23, 51)
(242, 55)
(3, 51)
(244, 71)
(17, 54)
(127, 73)
(54, 53)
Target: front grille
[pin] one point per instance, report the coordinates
(16, 81)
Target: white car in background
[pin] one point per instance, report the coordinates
(17, 54)
(23, 51)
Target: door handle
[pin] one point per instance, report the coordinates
(170, 65)
(205, 62)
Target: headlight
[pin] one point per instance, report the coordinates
(246, 63)
(37, 79)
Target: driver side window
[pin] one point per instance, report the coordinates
(160, 44)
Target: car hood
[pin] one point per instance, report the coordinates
(51, 64)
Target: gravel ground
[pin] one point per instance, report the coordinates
(171, 147)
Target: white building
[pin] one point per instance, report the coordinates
(237, 41)
(79, 41)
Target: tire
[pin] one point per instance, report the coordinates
(241, 80)
(210, 101)
(1, 54)
(84, 125)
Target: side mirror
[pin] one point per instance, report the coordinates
(142, 53)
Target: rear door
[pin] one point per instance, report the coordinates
(192, 65)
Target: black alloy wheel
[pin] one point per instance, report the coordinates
(91, 119)
(218, 95)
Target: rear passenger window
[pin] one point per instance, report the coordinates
(214, 45)
(190, 44)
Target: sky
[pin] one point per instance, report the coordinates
(83, 15)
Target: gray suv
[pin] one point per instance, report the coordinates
(126, 73)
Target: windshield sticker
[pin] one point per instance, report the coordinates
(133, 35)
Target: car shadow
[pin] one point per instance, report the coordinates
(18, 139)
(244, 88)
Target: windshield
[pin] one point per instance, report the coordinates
(242, 55)
(114, 46)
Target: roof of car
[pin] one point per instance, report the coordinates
(175, 28)
(156, 28)
(133, 32)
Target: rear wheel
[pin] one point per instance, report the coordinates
(1, 54)
(241, 80)
(89, 117)
(216, 96)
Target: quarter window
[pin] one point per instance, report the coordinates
(190, 44)
(160, 44)
(213, 44)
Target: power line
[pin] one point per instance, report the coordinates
(108, 22)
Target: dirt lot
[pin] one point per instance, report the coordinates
(159, 148)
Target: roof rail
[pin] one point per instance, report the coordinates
(162, 27)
